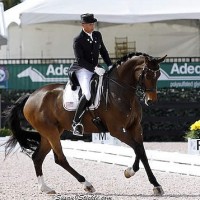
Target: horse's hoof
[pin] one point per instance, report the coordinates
(51, 192)
(158, 191)
(129, 172)
(89, 189)
(47, 190)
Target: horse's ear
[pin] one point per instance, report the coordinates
(161, 59)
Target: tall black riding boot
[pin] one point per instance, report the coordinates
(77, 126)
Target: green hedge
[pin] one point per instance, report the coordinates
(5, 132)
(165, 95)
(168, 130)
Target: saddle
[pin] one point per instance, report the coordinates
(72, 94)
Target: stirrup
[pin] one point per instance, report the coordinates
(78, 129)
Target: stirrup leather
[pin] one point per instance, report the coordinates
(78, 129)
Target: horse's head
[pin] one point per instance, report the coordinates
(148, 78)
(139, 69)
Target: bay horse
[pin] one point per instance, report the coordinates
(43, 109)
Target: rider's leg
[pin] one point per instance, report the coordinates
(84, 76)
(77, 126)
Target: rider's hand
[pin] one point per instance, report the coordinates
(110, 67)
(99, 70)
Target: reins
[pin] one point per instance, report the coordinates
(124, 86)
(139, 90)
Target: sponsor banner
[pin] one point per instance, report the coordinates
(3, 77)
(33, 76)
(179, 75)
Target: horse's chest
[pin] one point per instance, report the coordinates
(122, 103)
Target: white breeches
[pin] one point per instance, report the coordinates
(84, 76)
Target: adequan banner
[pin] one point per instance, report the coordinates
(33, 76)
(179, 75)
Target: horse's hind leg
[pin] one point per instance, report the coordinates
(61, 160)
(38, 158)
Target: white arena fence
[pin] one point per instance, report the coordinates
(120, 155)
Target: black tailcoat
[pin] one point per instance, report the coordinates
(87, 51)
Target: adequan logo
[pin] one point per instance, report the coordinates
(37, 76)
(183, 71)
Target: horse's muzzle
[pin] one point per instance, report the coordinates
(150, 98)
(149, 102)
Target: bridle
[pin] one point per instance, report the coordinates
(146, 71)
(140, 89)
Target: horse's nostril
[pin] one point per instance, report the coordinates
(149, 102)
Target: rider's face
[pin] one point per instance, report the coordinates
(88, 27)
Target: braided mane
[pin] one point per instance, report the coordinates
(128, 56)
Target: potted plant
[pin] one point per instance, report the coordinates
(193, 136)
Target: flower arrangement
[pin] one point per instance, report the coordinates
(194, 132)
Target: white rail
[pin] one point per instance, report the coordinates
(119, 155)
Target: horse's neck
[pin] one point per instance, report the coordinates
(120, 84)
(125, 73)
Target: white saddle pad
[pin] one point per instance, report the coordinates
(71, 100)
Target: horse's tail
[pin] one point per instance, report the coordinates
(28, 140)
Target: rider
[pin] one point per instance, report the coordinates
(87, 47)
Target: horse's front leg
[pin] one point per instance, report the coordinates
(135, 132)
(130, 171)
(141, 155)
(157, 187)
